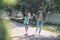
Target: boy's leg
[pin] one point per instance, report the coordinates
(37, 26)
(40, 27)
(36, 29)
(26, 29)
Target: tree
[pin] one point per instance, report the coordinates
(53, 6)
(8, 5)
(31, 5)
(9, 2)
(1, 5)
(57, 3)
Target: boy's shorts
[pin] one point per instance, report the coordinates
(39, 23)
(26, 25)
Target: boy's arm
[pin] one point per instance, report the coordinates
(42, 17)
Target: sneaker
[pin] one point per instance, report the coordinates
(38, 34)
(26, 34)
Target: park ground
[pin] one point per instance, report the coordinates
(17, 31)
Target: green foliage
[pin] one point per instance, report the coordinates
(4, 24)
(1, 5)
(53, 6)
(9, 2)
(57, 2)
(5, 30)
(31, 5)
(52, 28)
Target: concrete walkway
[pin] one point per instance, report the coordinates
(17, 32)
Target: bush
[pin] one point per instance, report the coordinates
(5, 30)
(4, 26)
(17, 20)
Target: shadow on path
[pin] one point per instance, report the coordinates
(14, 24)
(37, 37)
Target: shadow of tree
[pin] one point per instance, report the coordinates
(58, 37)
(37, 37)
(15, 24)
(1, 31)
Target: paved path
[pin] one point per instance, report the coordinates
(17, 32)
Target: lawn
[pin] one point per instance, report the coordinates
(4, 30)
(4, 35)
(52, 28)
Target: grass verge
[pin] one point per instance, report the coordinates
(52, 28)
(5, 25)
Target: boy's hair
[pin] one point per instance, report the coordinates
(40, 9)
(27, 13)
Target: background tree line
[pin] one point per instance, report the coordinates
(31, 5)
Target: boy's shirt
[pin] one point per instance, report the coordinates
(26, 20)
(37, 15)
(40, 17)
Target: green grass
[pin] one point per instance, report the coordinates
(4, 25)
(52, 28)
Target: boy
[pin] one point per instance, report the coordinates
(39, 21)
(26, 22)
